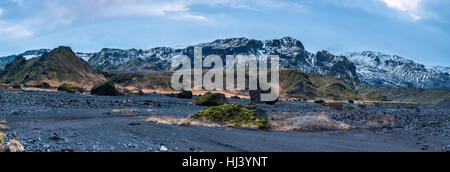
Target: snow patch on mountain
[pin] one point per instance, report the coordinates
(27, 55)
(378, 69)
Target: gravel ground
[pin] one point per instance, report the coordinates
(55, 121)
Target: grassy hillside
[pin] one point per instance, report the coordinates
(143, 80)
(409, 95)
(294, 84)
(297, 84)
(59, 66)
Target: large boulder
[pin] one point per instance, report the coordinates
(234, 114)
(255, 97)
(44, 85)
(211, 99)
(185, 95)
(106, 89)
(70, 88)
(17, 86)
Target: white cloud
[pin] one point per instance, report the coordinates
(412, 7)
(46, 15)
(1, 12)
(121, 8)
(13, 31)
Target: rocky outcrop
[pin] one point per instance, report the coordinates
(106, 89)
(185, 95)
(211, 99)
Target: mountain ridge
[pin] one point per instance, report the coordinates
(291, 51)
(373, 68)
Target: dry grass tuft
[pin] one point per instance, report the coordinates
(310, 123)
(15, 146)
(126, 111)
(3, 137)
(181, 122)
(382, 119)
(4, 128)
(2, 148)
(373, 125)
(12, 146)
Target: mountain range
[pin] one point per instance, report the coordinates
(373, 68)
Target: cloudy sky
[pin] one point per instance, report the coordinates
(418, 29)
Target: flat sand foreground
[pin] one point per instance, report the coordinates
(54, 121)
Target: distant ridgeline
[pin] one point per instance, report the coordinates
(305, 75)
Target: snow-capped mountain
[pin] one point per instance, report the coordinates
(373, 68)
(132, 59)
(27, 55)
(441, 69)
(292, 55)
(378, 69)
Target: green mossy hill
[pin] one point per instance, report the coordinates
(376, 96)
(297, 84)
(236, 115)
(424, 97)
(106, 89)
(70, 88)
(211, 99)
(58, 66)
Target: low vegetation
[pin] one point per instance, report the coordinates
(70, 88)
(235, 115)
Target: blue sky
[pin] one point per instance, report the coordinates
(417, 29)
